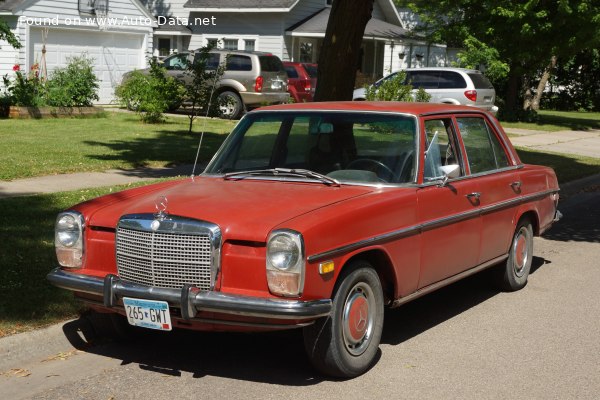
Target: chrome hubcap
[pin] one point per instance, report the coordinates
(357, 319)
(520, 251)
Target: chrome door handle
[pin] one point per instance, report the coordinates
(475, 195)
(516, 185)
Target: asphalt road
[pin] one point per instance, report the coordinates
(467, 341)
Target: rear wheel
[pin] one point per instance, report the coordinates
(345, 344)
(230, 104)
(513, 275)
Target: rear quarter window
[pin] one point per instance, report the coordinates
(270, 64)
(480, 81)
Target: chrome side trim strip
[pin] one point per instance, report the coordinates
(436, 223)
(438, 285)
(111, 288)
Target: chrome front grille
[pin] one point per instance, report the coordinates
(179, 251)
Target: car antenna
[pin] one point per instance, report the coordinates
(204, 127)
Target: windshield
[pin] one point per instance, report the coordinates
(351, 147)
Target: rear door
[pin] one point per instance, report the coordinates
(498, 180)
(486, 94)
(273, 73)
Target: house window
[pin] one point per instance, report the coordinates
(164, 47)
(249, 45)
(329, 2)
(230, 44)
(306, 52)
(214, 43)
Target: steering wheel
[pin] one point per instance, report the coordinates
(389, 176)
(406, 167)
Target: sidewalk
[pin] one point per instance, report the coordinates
(583, 143)
(85, 180)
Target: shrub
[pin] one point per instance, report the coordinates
(75, 85)
(150, 95)
(394, 89)
(26, 90)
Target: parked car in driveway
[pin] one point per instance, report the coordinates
(302, 80)
(314, 216)
(447, 85)
(250, 79)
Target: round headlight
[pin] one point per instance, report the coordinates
(67, 230)
(283, 252)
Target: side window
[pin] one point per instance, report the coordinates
(441, 150)
(291, 72)
(452, 80)
(238, 63)
(424, 79)
(176, 62)
(212, 61)
(484, 151)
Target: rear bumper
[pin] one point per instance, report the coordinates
(253, 99)
(190, 299)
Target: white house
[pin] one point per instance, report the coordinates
(117, 35)
(120, 34)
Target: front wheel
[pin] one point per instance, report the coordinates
(345, 344)
(513, 275)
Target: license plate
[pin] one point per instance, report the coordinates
(148, 313)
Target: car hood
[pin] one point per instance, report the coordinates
(244, 209)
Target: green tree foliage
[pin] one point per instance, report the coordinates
(150, 94)
(200, 90)
(525, 34)
(394, 89)
(6, 34)
(74, 85)
(576, 85)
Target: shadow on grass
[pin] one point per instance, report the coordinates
(567, 168)
(170, 147)
(27, 255)
(570, 122)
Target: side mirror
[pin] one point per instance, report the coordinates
(449, 171)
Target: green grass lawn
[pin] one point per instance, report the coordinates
(568, 167)
(553, 121)
(27, 300)
(37, 147)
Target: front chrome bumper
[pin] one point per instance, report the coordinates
(191, 299)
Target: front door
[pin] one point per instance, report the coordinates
(450, 238)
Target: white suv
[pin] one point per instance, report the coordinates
(447, 85)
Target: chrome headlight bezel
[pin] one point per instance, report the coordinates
(69, 239)
(285, 262)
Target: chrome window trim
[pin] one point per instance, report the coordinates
(436, 223)
(478, 175)
(179, 225)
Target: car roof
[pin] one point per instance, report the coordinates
(415, 108)
(443, 69)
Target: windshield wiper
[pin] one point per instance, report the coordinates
(284, 172)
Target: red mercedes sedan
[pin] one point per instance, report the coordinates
(314, 216)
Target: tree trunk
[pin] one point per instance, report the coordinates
(535, 103)
(340, 54)
(512, 91)
(527, 94)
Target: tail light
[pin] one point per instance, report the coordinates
(258, 85)
(471, 95)
(307, 86)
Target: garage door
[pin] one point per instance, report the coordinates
(113, 53)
